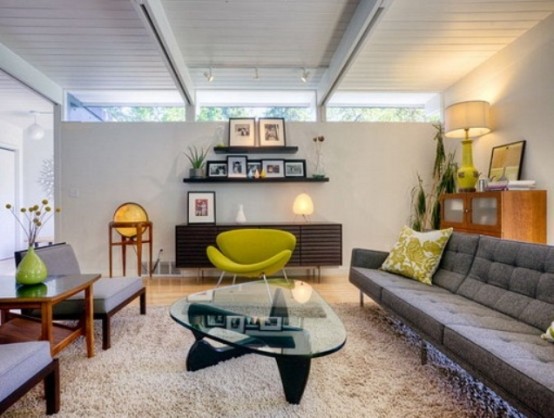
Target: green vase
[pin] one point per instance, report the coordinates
(31, 269)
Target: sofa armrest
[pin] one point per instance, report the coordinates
(371, 259)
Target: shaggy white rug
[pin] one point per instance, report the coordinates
(377, 374)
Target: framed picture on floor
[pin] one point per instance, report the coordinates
(274, 168)
(242, 132)
(201, 208)
(272, 132)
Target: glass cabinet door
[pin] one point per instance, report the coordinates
(484, 211)
(454, 210)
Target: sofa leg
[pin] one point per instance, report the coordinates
(143, 303)
(106, 333)
(361, 298)
(52, 389)
(423, 353)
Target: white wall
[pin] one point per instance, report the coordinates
(372, 168)
(519, 84)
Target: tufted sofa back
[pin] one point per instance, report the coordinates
(456, 261)
(514, 278)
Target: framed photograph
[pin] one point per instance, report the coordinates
(295, 168)
(201, 208)
(236, 166)
(506, 161)
(274, 168)
(272, 132)
(215, 320)
(252, 322)
(235, 323)
(253, 165)
(242, 132)
(217, 168)
(271, 323)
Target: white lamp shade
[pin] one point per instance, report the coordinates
(472, 116)
(303, 205)
(301, 292)
(35, 131)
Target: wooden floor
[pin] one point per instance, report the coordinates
(166, 290)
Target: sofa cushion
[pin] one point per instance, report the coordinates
(456, 260)
(417, 255)
(521, 363)
(19, 362)
(431, 309)
(513, 278)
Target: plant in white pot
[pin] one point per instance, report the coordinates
(197, 158)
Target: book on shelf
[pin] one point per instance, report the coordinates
(511, 185)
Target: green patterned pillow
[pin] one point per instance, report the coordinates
(417, 254)
(549, 334)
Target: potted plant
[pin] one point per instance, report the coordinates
(197, 158)
(426, 203)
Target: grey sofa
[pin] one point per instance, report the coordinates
(490, 301)
(24, 365)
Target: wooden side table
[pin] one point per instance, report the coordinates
(19, 328)
(137, 240)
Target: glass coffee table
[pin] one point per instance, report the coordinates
(284, 319)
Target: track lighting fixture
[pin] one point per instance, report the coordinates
(209, 76)
(305, 75)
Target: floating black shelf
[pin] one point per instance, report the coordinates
(257, 181)
(255, 150)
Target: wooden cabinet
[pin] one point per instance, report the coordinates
(512, 214)
(317, 244)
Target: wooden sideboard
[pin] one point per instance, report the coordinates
(511, 214)
(318, 244)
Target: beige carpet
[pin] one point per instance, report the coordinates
(377, 374)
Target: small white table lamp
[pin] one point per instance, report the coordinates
(303, 205)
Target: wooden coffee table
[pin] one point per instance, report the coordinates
(294, 325)
(19, 328)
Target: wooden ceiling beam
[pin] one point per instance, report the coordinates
(363, 22)
(155, 20)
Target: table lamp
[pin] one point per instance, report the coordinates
(303, 205)
(467, 120)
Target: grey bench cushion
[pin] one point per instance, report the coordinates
(108, 293)
(456, 261)
(19, 362)
(513, 278)
(519, 362)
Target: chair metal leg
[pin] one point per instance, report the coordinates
(267, 287)
(285, 275)
(234, 278)
(220, 279)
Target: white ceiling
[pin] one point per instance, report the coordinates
(411, 46)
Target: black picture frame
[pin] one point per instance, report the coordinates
(201, 208)
(274, 168)
(217, 169)
(253, 165)
(236, 166)
(242, 132)
(295, 168)
(271, 132)
(507, 161)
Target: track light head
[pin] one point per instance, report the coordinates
(305, 75)
(209, 76)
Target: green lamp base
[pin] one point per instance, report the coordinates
(467, 178)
